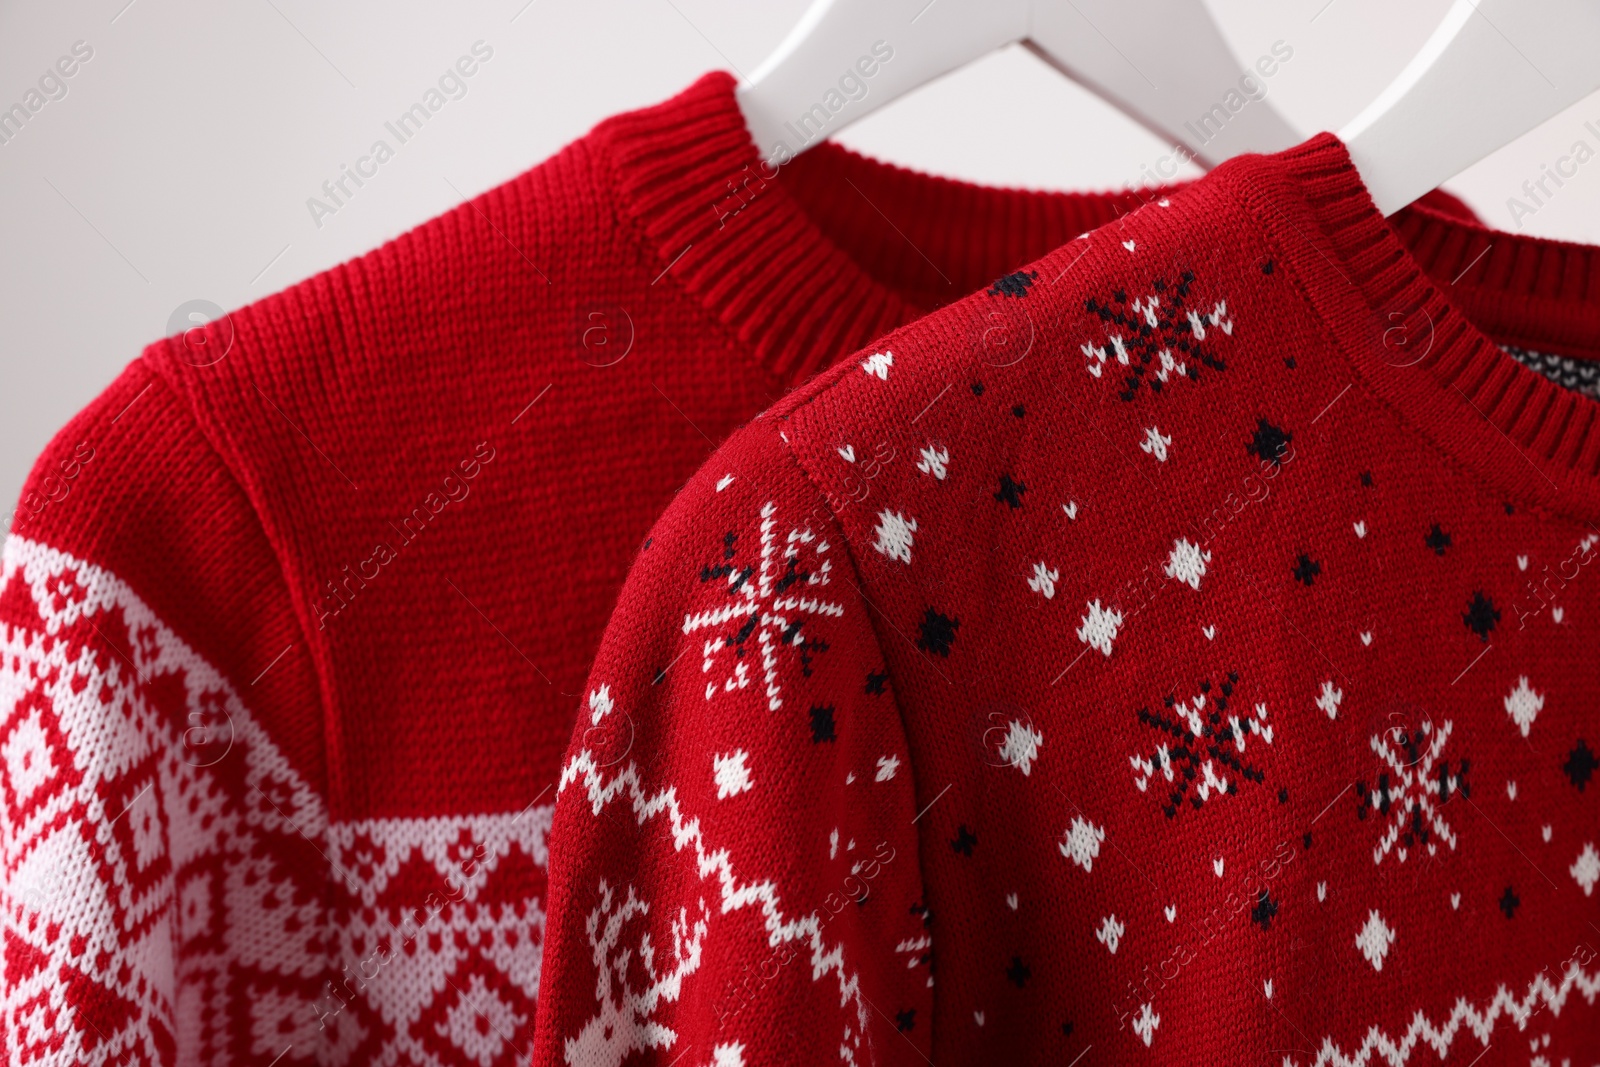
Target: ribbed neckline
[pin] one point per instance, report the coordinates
(837, 249)
(1409, 333)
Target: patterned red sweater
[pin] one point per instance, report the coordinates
(290, 647)
(1180, 649)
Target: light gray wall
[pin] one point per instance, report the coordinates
(178, 163)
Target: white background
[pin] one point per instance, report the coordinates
(179, 163)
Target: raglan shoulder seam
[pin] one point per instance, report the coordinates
(186, 404)
(772, 426)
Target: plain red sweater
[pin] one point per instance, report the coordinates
(297, 615)
(1179, 651)
(279, 727)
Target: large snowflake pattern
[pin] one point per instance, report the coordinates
(1157, 339)
(766, 609)
(1411, 790)
(1202, 752)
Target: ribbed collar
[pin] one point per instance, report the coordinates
(1404, 316)
(834, 249)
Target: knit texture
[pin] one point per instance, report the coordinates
(295, 617)
(1176, 652)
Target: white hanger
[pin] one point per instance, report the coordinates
(817, 82)
(1492, 71)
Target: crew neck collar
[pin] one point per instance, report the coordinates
(817, 258)
(833, 250)
(1404, 317)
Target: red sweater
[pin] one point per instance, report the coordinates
(290, 646)
(1180, 649)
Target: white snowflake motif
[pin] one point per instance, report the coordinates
(1082, 842)
(1145, 1025)
(1330, 698)
(1181, 765)
(768, 603)
(1412, 790)
(1170, 366)
(917, 951)
(1021, 746)
(1099, 627)
(600, 704)
(1147, 307)
(894, 535)
(1585, 870)
(1043, 581)
(1187, 563)
(934, 460)
(1110, 933)
(733, 777)
(1374, 940)
(887, 765)
(1524, 705)
(878, 364)
(1155, 444)
(1096, 354)
(1217, 317)
(727, 1055)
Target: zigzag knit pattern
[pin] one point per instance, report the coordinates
(825, 959)
(1465, 1020)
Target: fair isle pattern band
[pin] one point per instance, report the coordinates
(1579, 375)
(171, 882)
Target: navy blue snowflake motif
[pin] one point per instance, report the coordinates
(1509, 902)
(1017, 283)
(1580, 765)
(1019, 972)
(938, 632)
(1270, 443)
(1437, 539)
(764, 608)
(1201, 753)
(1157, 338)
(1481, 615)
(1264, 911)
(1010, 492)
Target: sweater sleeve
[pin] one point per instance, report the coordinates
(159, 758)
(735, 875)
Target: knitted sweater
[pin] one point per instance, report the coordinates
(1178, 649)
(290, 647)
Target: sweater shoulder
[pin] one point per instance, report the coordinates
(739, 762)
(1084, 361)
(129, 515)
(486, 264)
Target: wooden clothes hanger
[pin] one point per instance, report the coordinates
(1172, 71)
(1491, 72)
